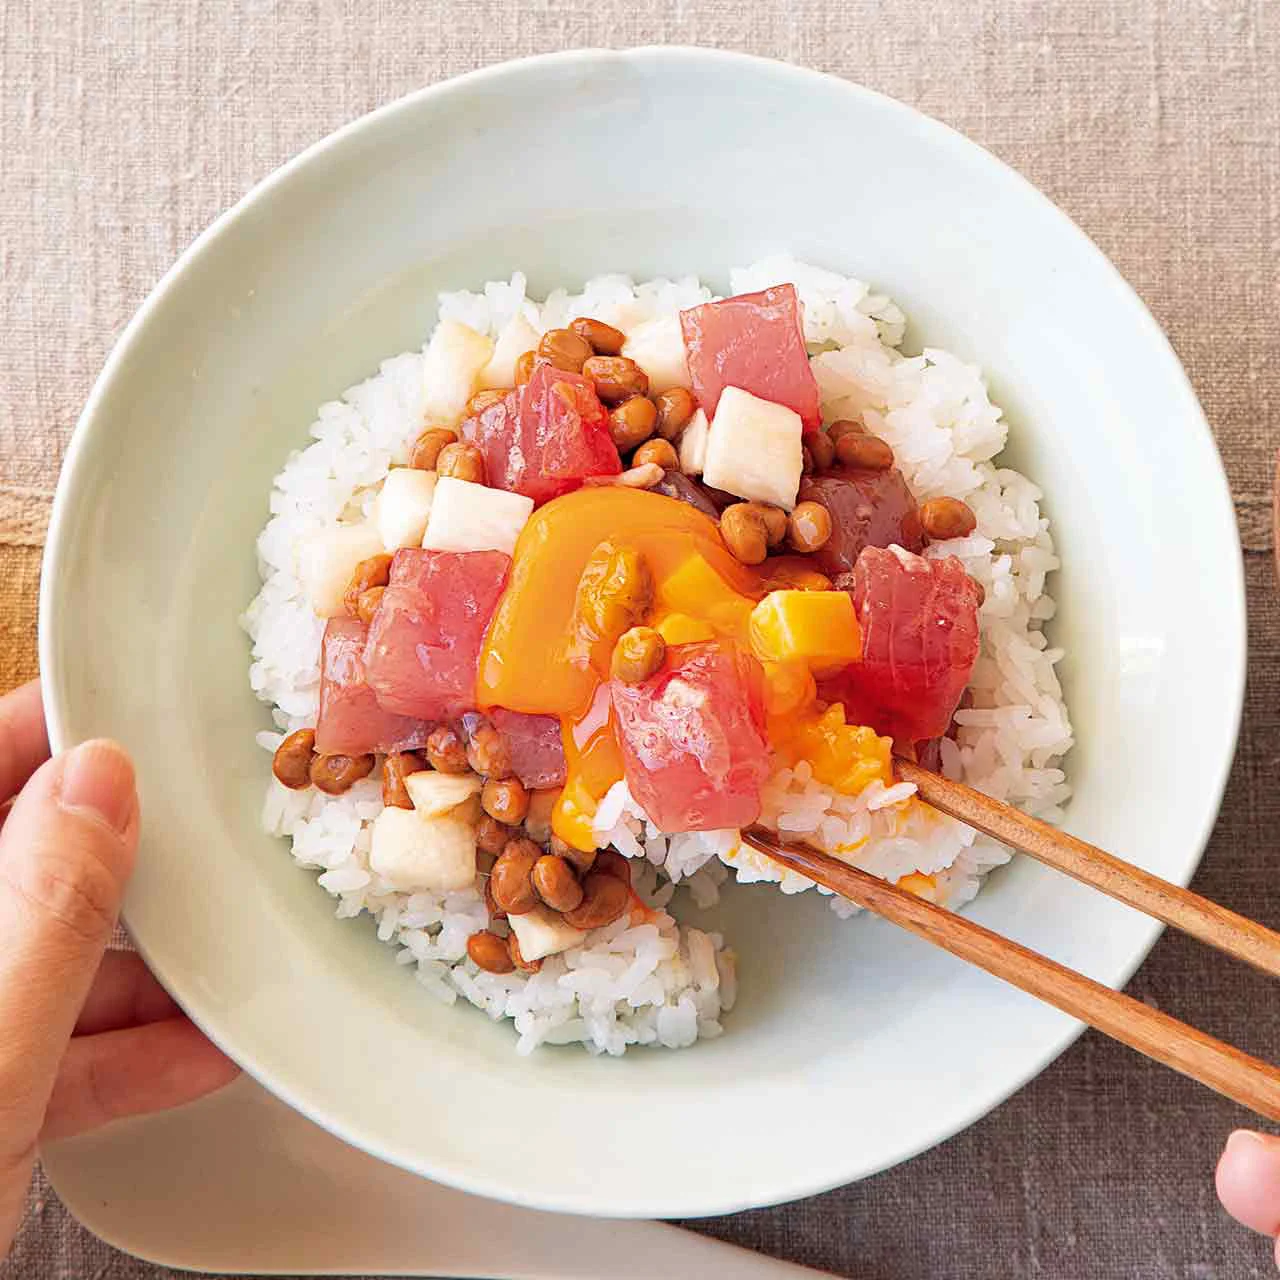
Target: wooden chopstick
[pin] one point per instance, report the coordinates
(1237, 935)
(1236, 1075)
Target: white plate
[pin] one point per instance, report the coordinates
(239, 1183)
(852, 1046)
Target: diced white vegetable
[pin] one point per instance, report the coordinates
(657, 346)
(451, 370)
(435, 793)
(473, 517)
(327, 560)
(404, 506)
(414, 854)
(693, 445)
(753, 449)
(542, 933)
(517, 337)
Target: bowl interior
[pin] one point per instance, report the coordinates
(652, 162)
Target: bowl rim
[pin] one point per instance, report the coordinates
(788, 75)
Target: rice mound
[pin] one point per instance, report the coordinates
(660, 982)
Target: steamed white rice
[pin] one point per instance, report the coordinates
(662, 983)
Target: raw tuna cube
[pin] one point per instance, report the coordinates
(754, 341)
(534, 746)
(351, 721)
(546, 438)
(919, 643)
(424, 641)
(692, 740)
(868, 509)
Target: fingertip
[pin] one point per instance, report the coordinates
(199, 1067)
(98, 779)
(1248, 1180)
(134, 1071)
(219, 1070)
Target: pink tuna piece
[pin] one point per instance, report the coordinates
(546, 438)
(692, 741)
(867, 509)
(754, 341)
(534, 747)
(919, 643)
(424, 641)
(351, 721)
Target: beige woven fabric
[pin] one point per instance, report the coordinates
(125, 127)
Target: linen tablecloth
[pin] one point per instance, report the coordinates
(126, 127)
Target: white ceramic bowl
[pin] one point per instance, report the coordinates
(852, 1046)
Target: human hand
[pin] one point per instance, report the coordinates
(84, 1037)
(1248, 1182)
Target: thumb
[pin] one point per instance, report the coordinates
(66, 854)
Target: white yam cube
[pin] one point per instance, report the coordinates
(657, 346)
(404, 506)
(543, 933)
(435, 793)
(517, 337)
(327, 560)
(473, 517)
(451, 370)
(753, 449)
(414, 854)
(693, 445)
